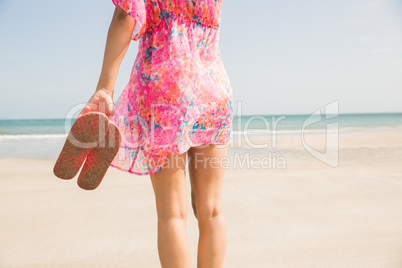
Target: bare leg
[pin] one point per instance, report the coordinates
(169, 186)
(206, 175)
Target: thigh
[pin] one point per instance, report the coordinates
(169, 186)
(207, 164)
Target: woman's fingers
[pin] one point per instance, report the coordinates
(86, 109)
(106, 106)
(100, 102)
(109, 107)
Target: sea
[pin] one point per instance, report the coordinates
(45, 137)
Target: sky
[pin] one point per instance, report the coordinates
(282, 57)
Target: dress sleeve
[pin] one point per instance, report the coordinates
(137, 10)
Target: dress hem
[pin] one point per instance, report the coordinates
(185, 151)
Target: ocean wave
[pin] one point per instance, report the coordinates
(33, 137)
(28, 137)
(340, 130)
(284, 131)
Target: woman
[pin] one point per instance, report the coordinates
(177, 103)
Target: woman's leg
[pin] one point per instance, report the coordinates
(206, 169)
(169, 186)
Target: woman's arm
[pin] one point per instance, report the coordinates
(117, 43)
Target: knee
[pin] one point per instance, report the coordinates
(172, 215)
(209, 213)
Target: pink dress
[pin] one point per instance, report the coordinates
(179, 94)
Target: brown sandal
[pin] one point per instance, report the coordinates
(84, 135)
(94, 137)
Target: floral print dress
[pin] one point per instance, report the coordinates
(179, 94)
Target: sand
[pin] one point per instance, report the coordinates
(308, 214)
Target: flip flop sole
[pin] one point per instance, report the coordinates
(85, 134)
(99, 159)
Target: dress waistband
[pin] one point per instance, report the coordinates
(168, 16)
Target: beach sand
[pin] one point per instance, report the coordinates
(307, 214)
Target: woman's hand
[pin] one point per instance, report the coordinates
(100, 101)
